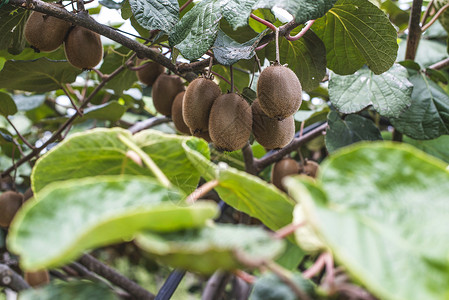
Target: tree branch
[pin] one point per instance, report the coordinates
(114, 277)
(440, 65)
(12, 280)
(142, 125)
(414, 30)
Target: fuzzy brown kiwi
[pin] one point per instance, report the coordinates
(83, 48)
(203, 134)
(149, 73)
(279, 91)
(37, 278)
(176, 114)
(284, 167)
(230, 122)
(271, 133)
(200, 95)
(45, 33)
(310, 168)
(164, 91)
(10, 203)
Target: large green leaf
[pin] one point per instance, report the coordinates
(156, 14)
(80, 214)
(382, 209)
(12, 28)
(245, 192)
(100, 152)
(355, 33)
(79, 289)
(196, 32)
(428, 53)
(205, 250)
(124, 80)
(40, 75)
(7, 105)
(389, 93)
(237, 12)
(306, 57)
(353, 128)
(428, 115)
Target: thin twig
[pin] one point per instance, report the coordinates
(185, 5)
(287, 230)
(315, 268)
(151, 122)
(301, 33)
(426, 13)
(19, 135)
(264, 22)
(78, 111)
(283, 274)
(225, 80)
(114, 277)
(440, 65)
(216, 285)
(435, 17)
(231, 71)
(202, 190)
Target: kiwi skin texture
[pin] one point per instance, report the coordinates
(10, 203)
(284, 167)
(271, 133)
(165, 89)
(45, 33)
(37, 278)
(149, 73)
(176, 114)
(230, 122)
(203, 134)
(310, 168)
(198, 100)
(83, 48)
(279, 92)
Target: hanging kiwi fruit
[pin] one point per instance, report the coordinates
(198, 99)
(164, 91)
(83, 48)
(37, 278)
(230, 122)
(10, 203)
(271, 133)
(279, 91)
(176, 114)
(148, 72)
(310, 168)
(45, 33)
(283, 168)
(203, 135)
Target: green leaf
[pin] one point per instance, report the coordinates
(353, 128)
(79, 289)
(111, 4)
(389, 93)
(12, 27)
(306, 57)
(205, 250)
(237, 12)
(40, 75)
(124, 80)
(444, 17)
(243, 191)
(292, 256)
(96, 211)
(379, 220)
(428, 115)
(355, 33)
(100, 152)
(156, 14)
(270, 287)
(196, 32)
(428, 53)
(111, 111)
(7, 105)
(302, 10)
(228, 52)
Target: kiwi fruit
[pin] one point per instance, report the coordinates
(10, 203)
(202, 134)
(198, 99)
(37, 278)
(310, 168)
(282, 168)
(279, 91)
(176, 114)
(45, 33)
(271, 133)
(83, 48)
(230, 122)
(165, 89)
(148, 73)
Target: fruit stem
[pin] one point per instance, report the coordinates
(19, 135)
(426, 13)
(147, 161)
(264, 22)
(224, 79)
(302, 32)
(435, 17)
(185, 5)
(278, 60)
(209, 71)
(231, 71)
(287, 230)
(201, 191)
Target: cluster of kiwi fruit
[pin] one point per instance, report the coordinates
(288, 166)
(83, 48)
